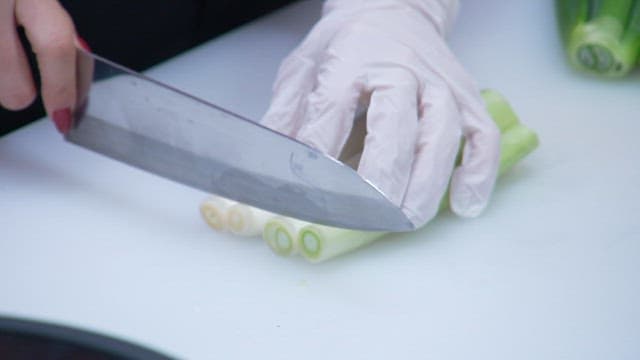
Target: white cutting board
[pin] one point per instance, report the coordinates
(550, 271)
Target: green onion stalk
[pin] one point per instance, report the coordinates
(281, 234)
(601, 37)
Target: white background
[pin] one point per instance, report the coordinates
(551, 270)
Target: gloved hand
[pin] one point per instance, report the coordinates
(392, 55)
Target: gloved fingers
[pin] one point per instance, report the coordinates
(440, 62)
(436, 151)
(17, 89)
(293, 84)
(473, 181)
(392, 129)
(319, 37)
(330, 108)
(297, 78)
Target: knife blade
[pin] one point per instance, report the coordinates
(140, 121)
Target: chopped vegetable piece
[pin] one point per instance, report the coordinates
(318, 242)
(281, 234)
(245, 220)
(214, 212)
(601, 37)
(518, 142)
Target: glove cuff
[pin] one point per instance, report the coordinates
(441, 13)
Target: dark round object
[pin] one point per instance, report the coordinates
(27, 339)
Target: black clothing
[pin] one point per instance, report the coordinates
(141, 33)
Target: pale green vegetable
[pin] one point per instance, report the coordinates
(499, 109)
(518, 142)
(281, 234)
(245, 220)
(319, 243)
(214, 212)
(601, 37)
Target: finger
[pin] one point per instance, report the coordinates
(293, 84)
(330, 108)
(436, 151)
(296, 80)
(441, 62)
(52, 36)
(17, 90)
(392, 128)
(473, 181)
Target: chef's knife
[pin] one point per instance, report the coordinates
(144, 123)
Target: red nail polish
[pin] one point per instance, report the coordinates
(62, 119)
(84, 44)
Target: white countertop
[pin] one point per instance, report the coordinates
(550, 271)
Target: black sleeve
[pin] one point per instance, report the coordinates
(141, 33)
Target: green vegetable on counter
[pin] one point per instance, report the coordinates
(288, 236)
(281, 234)
(601, 37)
(245, 220)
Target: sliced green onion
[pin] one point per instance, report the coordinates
(214, 212)
(281, 234)
(319, 243)
(245, 220)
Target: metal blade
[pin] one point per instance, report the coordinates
(139, 121)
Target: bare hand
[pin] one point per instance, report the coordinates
(52, 36)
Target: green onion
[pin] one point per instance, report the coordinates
(214, 212)
(281, 234)
(319, 243)
(601, 37)
(245, 220)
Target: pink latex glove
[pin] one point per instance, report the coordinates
(391, 55)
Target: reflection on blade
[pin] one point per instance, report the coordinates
(156, 128)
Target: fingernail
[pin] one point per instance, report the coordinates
(83, 44)
(62, 119)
